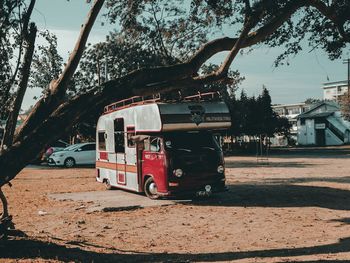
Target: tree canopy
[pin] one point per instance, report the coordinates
(323, 24)
(254, 116)
(177, 28)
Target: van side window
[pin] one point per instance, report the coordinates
(101, 141)
(130, 133)
(146, 144)
(119, 140)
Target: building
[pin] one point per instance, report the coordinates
(333, 90)
(323, 125)
(291, 112)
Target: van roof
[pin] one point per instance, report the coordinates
(141, 100)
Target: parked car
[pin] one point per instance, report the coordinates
(76, 154)
(57, 146)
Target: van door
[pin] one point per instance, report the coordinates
(154, 163)
(119, 146)
(131, 159)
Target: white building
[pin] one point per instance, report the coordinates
(333, 90)
(291, 112)
(323, 125)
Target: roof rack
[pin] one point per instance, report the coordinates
(136, 100)
(203, 96)
(140, 100)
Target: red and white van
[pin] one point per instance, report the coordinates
(162, 148)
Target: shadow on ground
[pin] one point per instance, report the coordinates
(312, 152)
(296, 180)
(251, 164)
(303, 152)
(279, 195)
(34, 249)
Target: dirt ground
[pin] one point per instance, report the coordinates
(296, 209)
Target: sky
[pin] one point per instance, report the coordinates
(287, 84)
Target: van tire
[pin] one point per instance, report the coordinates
(108, 185)
(69, 162)
(150, 188)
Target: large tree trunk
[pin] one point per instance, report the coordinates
(44, 107)
(28, 38)
(22, 88)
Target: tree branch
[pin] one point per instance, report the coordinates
(61, 84)
(44, 107)
(331, 14)
(225, 44)
(22, 87)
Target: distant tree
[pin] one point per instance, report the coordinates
(345, 106)
(265, 115)
(27, 39)
(282, 127)
(244, 109)
(47, 64)
(254, 116)
(311, 101)
(10, 41)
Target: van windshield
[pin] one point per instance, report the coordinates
(190, 141)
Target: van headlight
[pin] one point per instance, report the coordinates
(220, 169)
(178, 172)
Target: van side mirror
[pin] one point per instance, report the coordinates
(139, 138)
(78, 150)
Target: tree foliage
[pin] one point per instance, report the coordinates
(345, 106)
(179, 27)
(11, 48)
(111, 59)
(47, 63)
(165, 26)
(254, 116)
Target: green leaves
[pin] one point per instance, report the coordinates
(175, 28)
(253, 116)
(47, 63)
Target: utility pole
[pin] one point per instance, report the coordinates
(347, 61)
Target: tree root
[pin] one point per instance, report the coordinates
(6, 223)
(5, 212)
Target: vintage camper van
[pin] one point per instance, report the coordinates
(162, 148)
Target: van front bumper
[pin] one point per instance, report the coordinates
(216, 187)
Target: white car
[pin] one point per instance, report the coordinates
(76, 154)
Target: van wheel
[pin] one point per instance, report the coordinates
(108, 185)
(150, 189)
(69, 162)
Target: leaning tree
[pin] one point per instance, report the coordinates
(324, 24)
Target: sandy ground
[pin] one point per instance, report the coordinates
(296, 209)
